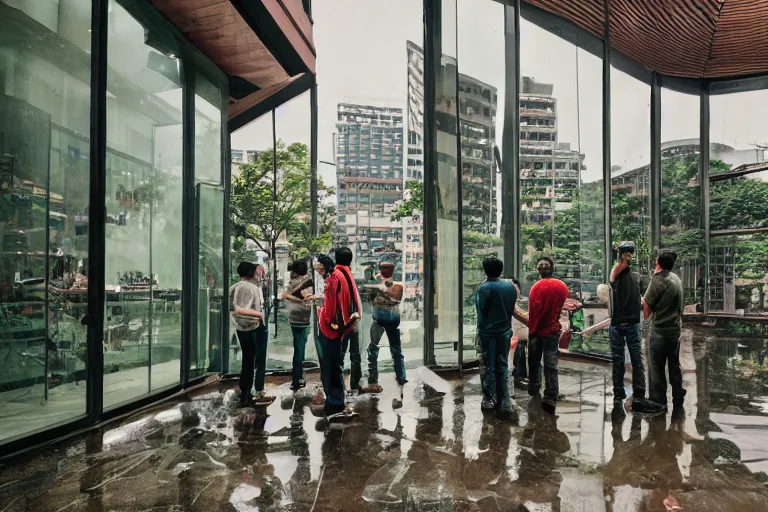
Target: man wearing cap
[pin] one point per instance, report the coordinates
(386, 318)
(625, 310)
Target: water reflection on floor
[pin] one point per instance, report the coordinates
(428, 447)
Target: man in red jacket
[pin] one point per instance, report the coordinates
(545, 302)
(338, 318)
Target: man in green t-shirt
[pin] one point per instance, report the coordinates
(664, 300)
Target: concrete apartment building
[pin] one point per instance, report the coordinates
(369, 173)
(549, 169)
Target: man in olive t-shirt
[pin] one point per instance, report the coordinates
(664, 300)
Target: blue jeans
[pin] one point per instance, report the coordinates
(629, 334)
(254, 347)
(385, 320)
(300, 335)
(331, 368)
(543, 347)
(496, 372)
(665, 351)
(351, 342)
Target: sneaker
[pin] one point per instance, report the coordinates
(548, 405)
(402, 382)
(488, 404)
(533, 392)
(263, 398)
(370, 388)
(245, 401)
(645, 406)
(298, 385)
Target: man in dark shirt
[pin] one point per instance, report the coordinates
(545, 302)
(495, 308)
(625, 326)
(664, 300)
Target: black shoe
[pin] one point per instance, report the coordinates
(548, 405)
(489, 404)
(533, 392)
(645, 406)
(402, 382)
(677, 401)
(245, 401)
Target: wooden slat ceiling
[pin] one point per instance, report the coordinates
(686, 38)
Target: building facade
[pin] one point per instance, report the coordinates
(369, 174)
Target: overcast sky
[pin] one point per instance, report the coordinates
(361, 58)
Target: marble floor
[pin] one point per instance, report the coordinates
(425, 446)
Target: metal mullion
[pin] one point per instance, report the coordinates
(704, 184)
(510, 163)
(655, 164)
(460, 200)
(226, 166)
(607, 254)
(189, 271)
(432, 44)
(97, 212)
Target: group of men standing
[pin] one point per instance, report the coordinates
(548, 297)
(339, 311)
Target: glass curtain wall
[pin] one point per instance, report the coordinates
(205, 354)
(738, 210)
(481, 118)
(631, 169)
(142, 331)
(44, 187)
(370, 151)
(561, 168)
(681, 229)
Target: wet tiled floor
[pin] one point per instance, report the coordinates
(425, 446)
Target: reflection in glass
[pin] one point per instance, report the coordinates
(206, 355)
(143, 206)
(738, 199)
(370, 133)
(631, 168)
(681, 191)
(481, 110)
(44, 187)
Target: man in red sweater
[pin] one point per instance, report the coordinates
(338, 320)
(545, 302)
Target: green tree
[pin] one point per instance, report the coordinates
(413, 202)
(259, 212)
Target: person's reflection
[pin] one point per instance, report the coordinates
(537, 463)
(489, 470)
(621, 469)
(257, 472)
(94, 473)
(299, 448)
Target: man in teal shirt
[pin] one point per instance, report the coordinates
(495, 304)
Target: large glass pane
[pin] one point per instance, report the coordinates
(206, 354)
(250, 207)
(143, 203)
(561, 168)
(681, 191)
(44, 187)
(364, 112)
(446, 270)
(481, 118)
(738, 204)
(631, 168)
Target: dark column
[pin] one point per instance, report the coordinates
(97, 213)
(704, 181)
(510, 161)
(189, 233)
(432, 55)
(608, 255)
(226, 166)
(655, 165)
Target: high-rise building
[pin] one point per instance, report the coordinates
(369, 171)
(549, 170)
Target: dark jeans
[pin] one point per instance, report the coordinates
(496, 372)
(629, 334)
(331, 367)
(254, 346)
(665, 350)
(546, 347)
(385, 320)
(300, 335)
(519, 364)
(351, 342)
